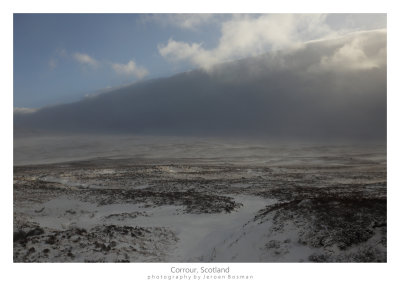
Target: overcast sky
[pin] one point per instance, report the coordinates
(61, 58)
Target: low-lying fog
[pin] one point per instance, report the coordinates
(47, 148)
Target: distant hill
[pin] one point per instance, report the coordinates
(324, 89)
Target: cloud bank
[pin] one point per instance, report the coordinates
(332, 90)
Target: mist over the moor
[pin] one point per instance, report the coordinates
(330, 89)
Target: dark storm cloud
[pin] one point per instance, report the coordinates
(325, 89)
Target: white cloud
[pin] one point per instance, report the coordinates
(192, 21)
(58, 55)
(246, 35)
(184, 21)
(61, 52)
(130, 68)
(53, 63)
(360, 52)
(85, 59)
(24, 110)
